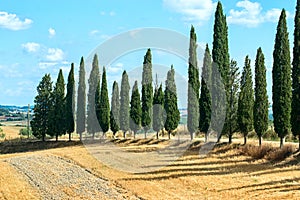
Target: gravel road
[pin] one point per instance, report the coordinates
(59, 178)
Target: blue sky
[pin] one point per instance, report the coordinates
(39, 37)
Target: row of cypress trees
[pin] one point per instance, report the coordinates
(245, 108)
(53, 109)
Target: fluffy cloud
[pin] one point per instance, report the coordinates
(195, 11)
(13, 22)
(31, 47)
(250, 14)
(52, 32)
(117, 68)
(55, 54)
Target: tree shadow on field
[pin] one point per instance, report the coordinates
(33, 145)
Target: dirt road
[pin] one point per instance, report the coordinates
(59, 178)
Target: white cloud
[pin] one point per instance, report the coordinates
(102, 13)
(13, 22)
(250, 14)
(112, 13)
(55, 54)
(31, 47)
(94, 32)
(116, 68)
(45, 65)
(52, 32)
(194, 11)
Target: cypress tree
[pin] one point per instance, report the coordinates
(233, 86)
(115, 109)
(158, 115)
(193, 86)
(220, 56)
(295, 115)
(104, 110)
(58, 119)
(172, 112)
(124, 109)
(205, 97)
(147, 92)
(246, 100)
(260, 110)
(92, 123)
(70, 103)
(81, 101)
(135, 109)
(282, 86)
(40, 123)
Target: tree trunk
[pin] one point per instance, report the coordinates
(230, 138)
(145, 133)
(192, 136)
(299, 142)
(124, 134)
(56, 137)
(70, 137)
(169, 135)
(93, 136)
(259, 140)
(245, 139)
(281, 142)
(133, 134)
(43, 138)
(80, 136)
(219, 138)
(157, 135)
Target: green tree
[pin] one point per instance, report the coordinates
(282, 86)
(81, 101)
(246, 100)
(220, 56)
(260, 110)
(147, 92)
(104, 110)
(124, 109)
(233, 86)
(92, 123)
(295, 113)
(58, 119)
(70, 103)
(115, 109)
(158, 109)
(172, 112)
(135, 109)
(40, 123)
(193, 86)
(205, 97)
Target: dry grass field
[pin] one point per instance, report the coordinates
(224, 173)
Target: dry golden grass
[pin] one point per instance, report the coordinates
(11, 132)
(224, 173)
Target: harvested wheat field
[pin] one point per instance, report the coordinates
(66, 170)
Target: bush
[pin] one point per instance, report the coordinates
(281, 153)
(2, 135)
(24, 132)
(257, 152)
(252, 134)
(270, 134)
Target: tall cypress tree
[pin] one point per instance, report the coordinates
(81, 101)
(92, 123)
(40, 123)
(104, 110)
(220, 55)
(233, 87)
(295, 115)
(246, 100)
(205, 97)
(70, 103)
(115, 109)
(58, 118)
(158, 104)
(282, 86)
(260, 110)
(193, 86)
(135, 109)
(172, 112)
(124, 109)
(147, 92)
